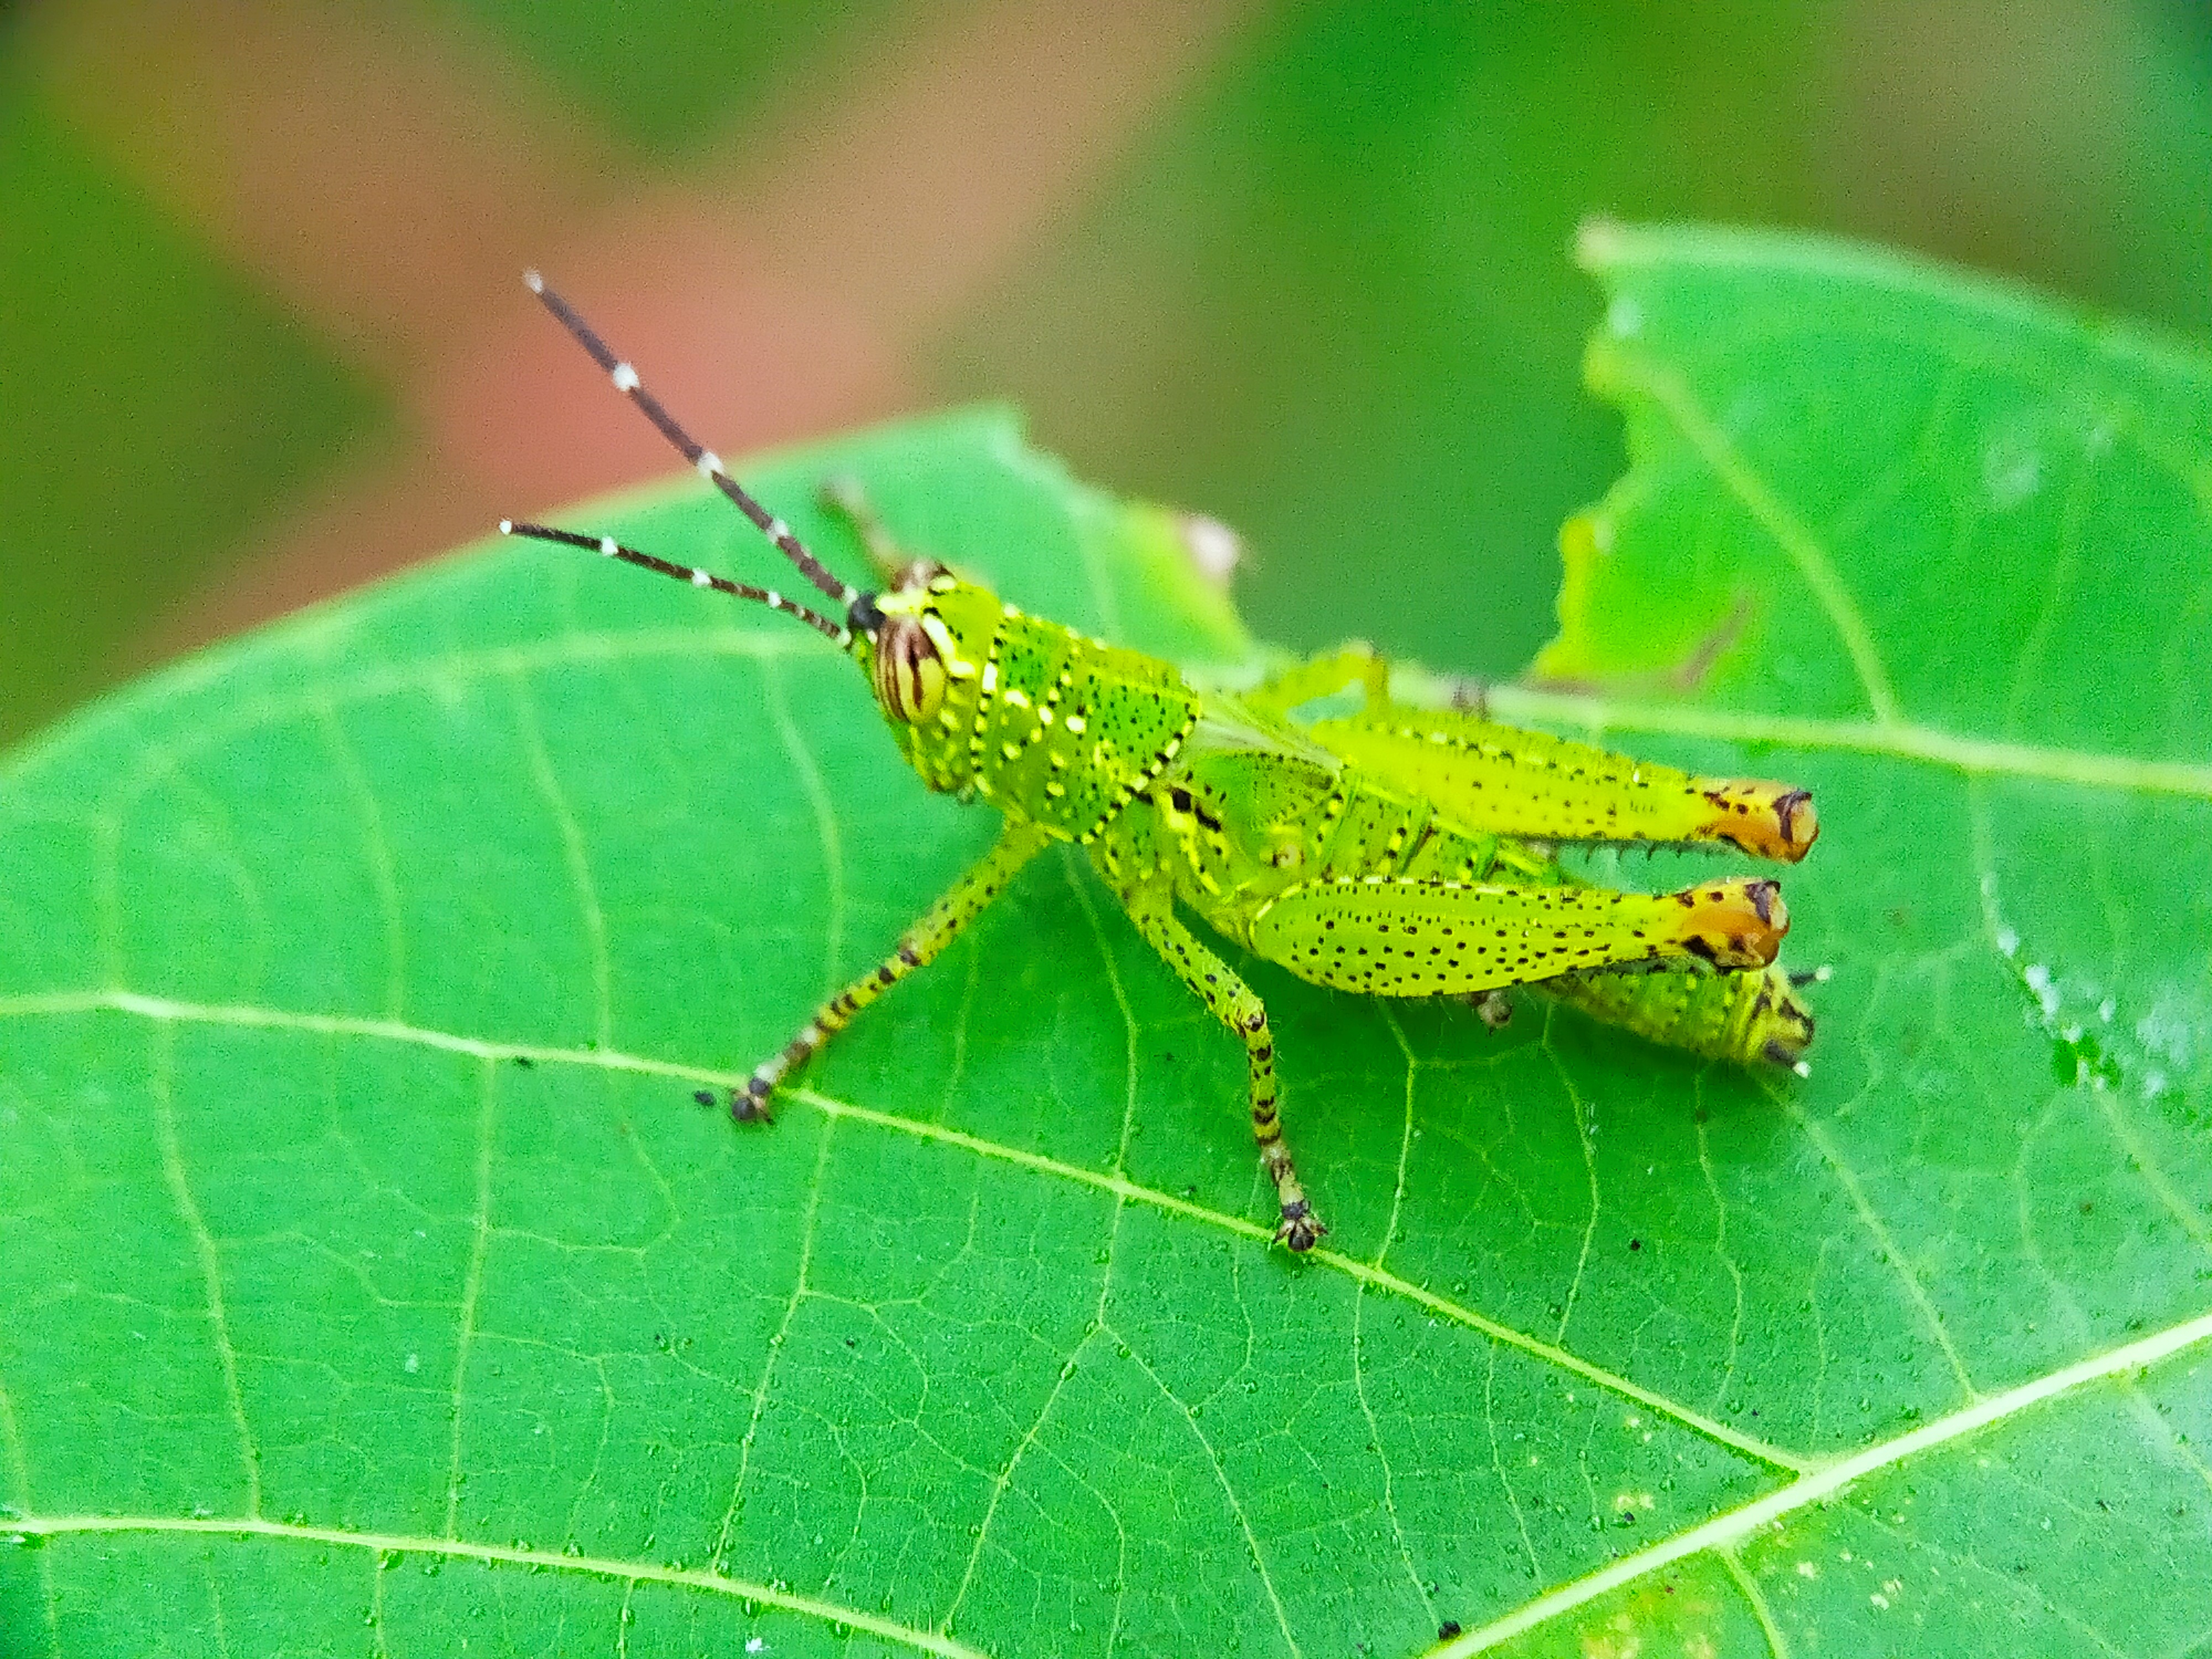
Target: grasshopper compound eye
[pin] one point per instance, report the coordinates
(910, 675)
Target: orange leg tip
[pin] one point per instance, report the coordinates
(1733, 923)
(1768, 820)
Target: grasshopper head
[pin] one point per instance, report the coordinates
(929, 629)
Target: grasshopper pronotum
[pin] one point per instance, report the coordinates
(1394, 852)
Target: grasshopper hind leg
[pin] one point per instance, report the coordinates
(1237, 1006)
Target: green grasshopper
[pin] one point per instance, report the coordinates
(1396, 851)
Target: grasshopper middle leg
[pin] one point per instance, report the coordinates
(1237, 1005)
(940, 925)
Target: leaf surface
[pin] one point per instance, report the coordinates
(370, 1276)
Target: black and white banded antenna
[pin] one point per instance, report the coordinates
(859, 608)
(607, 547)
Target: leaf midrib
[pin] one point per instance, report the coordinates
(1724, 1529)
(403, 1544)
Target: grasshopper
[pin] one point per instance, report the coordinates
(1395, 851)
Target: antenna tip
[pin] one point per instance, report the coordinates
(533, 282)
(507, 526)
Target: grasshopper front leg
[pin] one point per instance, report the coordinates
(1237, 1005)
(940, 925)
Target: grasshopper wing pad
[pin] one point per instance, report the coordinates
(1515, 782)
(1398, 937)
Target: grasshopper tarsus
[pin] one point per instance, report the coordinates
(1302, 1231)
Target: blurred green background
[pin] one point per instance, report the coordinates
(1301, 266)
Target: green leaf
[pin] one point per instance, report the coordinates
(369, 1276)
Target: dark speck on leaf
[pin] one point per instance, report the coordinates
(704, 1096)
(1634, 1243)
(1446, 1631)
(524, 1062)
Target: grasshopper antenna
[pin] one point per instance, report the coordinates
(607, 547)
(705, 461)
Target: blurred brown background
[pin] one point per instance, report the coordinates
(1302, 266)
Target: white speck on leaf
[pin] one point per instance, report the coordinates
(2039, 980)
(2165, 1029)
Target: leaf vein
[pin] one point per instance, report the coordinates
(1359, 1331)
(629, 1573)
(1898, 740)
(1729, 1528)
(1228, 1491)
(1892, 1254)
(471, 1286)
(775, 1343)
(1672, 393)
(208, 1256)
(825, 823)
(1755, 1598)
(19, 1475)
(376, 849)
(574, 853)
